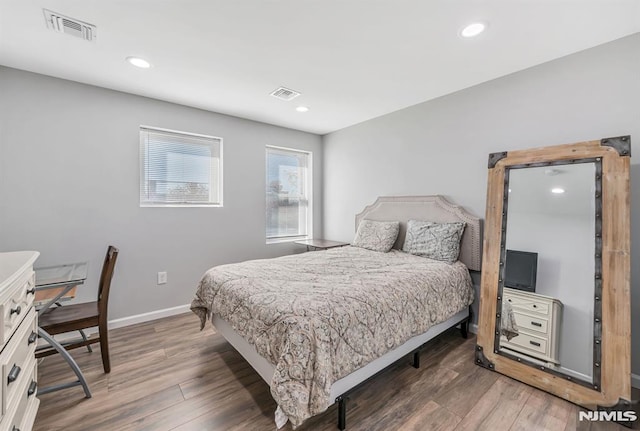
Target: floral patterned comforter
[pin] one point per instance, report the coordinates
(319, 316)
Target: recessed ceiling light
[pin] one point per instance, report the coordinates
(557, 190)
(302, 109)
(139, 62)
(473, 30)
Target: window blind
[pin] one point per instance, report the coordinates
(178, 168)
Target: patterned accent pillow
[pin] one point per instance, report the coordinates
(439, 241)
(376, 235)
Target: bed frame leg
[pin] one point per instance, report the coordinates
(464, 329)
(464, 326)
(416, 359)
(342, 413)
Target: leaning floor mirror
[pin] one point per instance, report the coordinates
(554, 306)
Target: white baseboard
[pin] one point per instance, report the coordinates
(146, 317)
(635, 380)
(128, 321)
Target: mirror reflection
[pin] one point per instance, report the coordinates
(548, 279)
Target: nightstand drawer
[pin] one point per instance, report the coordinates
(527, 304)
(531, 323)
(537, 317)
(524, 342)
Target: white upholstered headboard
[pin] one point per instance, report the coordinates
(429, 208)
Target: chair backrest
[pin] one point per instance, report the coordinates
(105, 281)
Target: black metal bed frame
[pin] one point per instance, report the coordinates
(342, 399)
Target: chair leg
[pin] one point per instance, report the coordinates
(74, 366)
(104, 347)
(84, 337)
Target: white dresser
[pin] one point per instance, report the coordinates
(538, 318)
(18, 338)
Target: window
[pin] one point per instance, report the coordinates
(179, 169)
(288, 195)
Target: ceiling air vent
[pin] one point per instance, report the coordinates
(70, 26)
(283, 93)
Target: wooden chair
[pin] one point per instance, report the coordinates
(77, 317)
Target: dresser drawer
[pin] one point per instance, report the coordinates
(529, 305)
(18, 340)
(535, 324)
(18, 415)
(17, 358)
(19, 301)
(29, 417)
(525, 342)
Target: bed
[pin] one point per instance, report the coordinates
(316, 325)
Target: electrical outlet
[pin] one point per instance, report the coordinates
(162, 277)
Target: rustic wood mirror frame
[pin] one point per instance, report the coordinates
(615, 367)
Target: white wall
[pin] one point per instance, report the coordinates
(69, 186)
(441, 146)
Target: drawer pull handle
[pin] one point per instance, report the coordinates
(535, 343)
(13, 374)
(31, 291)
(32, 338)
(16, 310)
(15, 428)
(32, 388)
(509, 300)
(535, 306)
(538, 324)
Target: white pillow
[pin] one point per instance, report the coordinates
(439, 241)
(376, 235)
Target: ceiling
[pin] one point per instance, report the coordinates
(352, 60)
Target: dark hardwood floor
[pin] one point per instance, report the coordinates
(167, 375)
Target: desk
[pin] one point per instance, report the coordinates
(56, 283)
(52, 284)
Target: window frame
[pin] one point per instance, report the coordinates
(142, 145)
(308, 194)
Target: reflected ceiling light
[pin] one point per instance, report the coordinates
(302, 109)
(472, 30)
(557, 190)
(139, 62)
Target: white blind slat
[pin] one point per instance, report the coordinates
(179, 168)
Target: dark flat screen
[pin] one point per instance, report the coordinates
(521, 269)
